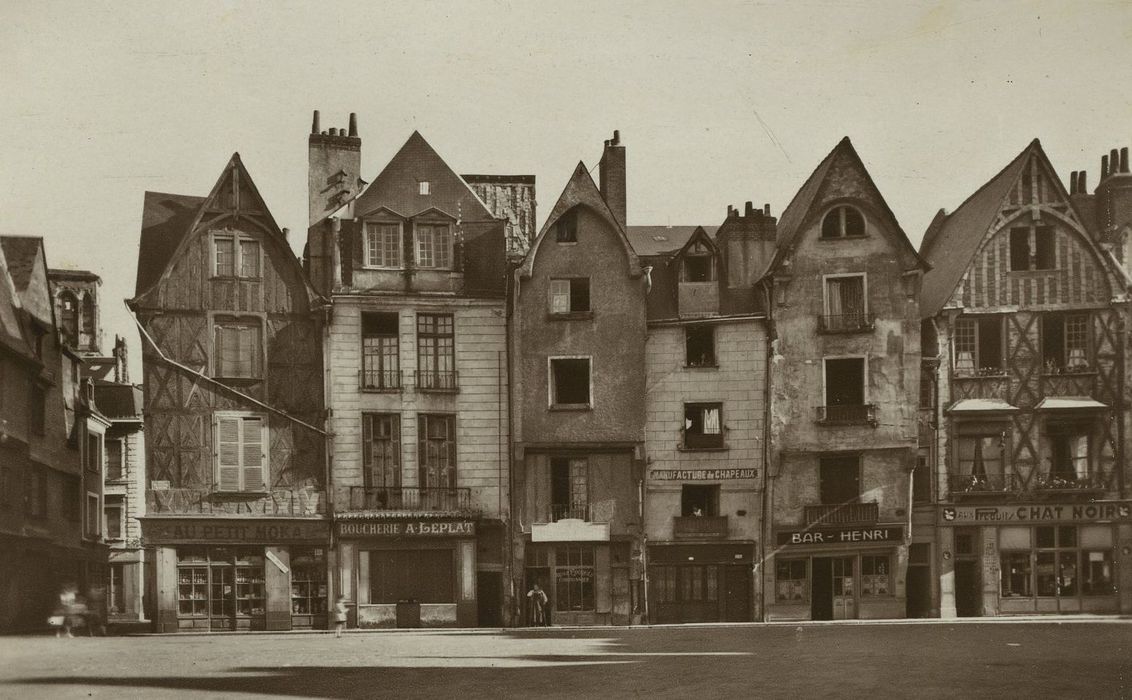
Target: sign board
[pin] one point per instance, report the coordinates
(408, 528)
(842, 535)
(159, 485)
(1036, 513)
(232, 531)
(703, 474)
(277, 562)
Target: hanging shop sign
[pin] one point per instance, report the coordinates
(841, 535)
(703, 474)
(201, 531)
(1037, 513)
(408, 528)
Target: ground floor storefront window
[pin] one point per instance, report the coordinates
(1065, 561)
(834, 585)
(420, 575)
(574, 579)
(220, 582)
(308, 581)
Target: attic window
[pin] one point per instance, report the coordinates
(843, 222)
(425, 187)
(698, 265)
(1031, 248)
(566, 229)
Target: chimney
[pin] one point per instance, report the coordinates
(611, 173)
(730, 211)
(1082, 187)
(1124, 159)
(1073, 182)
(749, 208)
(353, 125)
(766, 209)
(314, 123)
(1104, 167)
(330, 155)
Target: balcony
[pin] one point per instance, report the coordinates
(278, 502)
(865, 414)
(858, 322)
(380, 380)
(1063, 483)
(700, 527)
(438, 381)
(970, 486)
(411, 498)
(568, 512)
(842, 514)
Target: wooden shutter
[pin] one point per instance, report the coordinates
(450, 442)
(422, 452)
(393, 465)
(228, 453)
(367, 450)
(254, 439)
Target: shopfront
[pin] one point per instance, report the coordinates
(837, 574)
(586, 583)
(700, 583)
(408, 571)
(1053, 558)
(238, 573)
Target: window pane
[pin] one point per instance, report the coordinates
(571, 381)
(1016, 574)
(225, 257)
(249, 258)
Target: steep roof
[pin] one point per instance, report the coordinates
(581, 190)
(397, 188)
(951, 240)
(166, 219)
(653, 240)
(27, 264)
(21, 252)
(11, 334)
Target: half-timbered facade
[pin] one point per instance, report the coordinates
(232, 361)
(1025, 314)
(842, 296)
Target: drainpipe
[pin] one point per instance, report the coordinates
(764, 517)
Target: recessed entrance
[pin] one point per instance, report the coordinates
(832, 589)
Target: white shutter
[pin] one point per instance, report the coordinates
(228, 453)
(253, 454)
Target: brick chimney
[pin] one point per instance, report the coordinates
(747, 240)
(611, 175)
(334, 166)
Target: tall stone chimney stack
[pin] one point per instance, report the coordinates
(334, 166)
(611, 174)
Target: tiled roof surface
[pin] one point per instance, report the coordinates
(166, 219)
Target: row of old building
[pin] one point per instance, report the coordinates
(786, 418)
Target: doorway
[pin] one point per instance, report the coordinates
(832, 591)
(737, 587)
(919, 587)
(489, 596)
(968, 598)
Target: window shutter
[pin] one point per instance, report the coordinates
(450, 442)
(393, 465)
(228, 453)
(422, 451)
(367, 450)
(253, 454)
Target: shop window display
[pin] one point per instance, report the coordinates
(308, 581)
(875, 575)
(220, 582)
(790, 580)
(1059, 562)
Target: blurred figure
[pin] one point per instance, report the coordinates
(339, 616)
(96, 611)
(68, 600)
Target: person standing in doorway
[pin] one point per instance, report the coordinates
(340, 616)
(537, 603)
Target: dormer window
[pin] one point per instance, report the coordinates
(434, 246)
(843, 222)
(566, 229)
(383, 245)
(425, 187)
(698, 265)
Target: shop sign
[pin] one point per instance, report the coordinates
(583, 574)
(842, 535)
(410, 528)
(1037, 513)
(703, 474)
(186, 531)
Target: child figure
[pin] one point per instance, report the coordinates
(339, 616)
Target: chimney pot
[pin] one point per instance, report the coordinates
(1113, 161)
(1104, 167)
(766, 209)
(1073, 182)
(286, 232)
(1082, 188)
(333, 131)
(314, 123)
(1124, 159)
(616, 137)
(749, 208)
(354, 124)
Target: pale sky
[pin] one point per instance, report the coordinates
(717, 102)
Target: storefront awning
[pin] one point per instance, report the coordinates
(981, 407)
(1070, 403)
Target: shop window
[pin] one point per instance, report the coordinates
(574, 578)
(114, 451)
(1063, 561)
(839, 479)
(699, 499)
(436, 352)
(569, 488)
(434, 246)
(1016, 574)
(237, 347)
(570, 382)
(1065, 343)
(241, 453)
(663, 581)
(1066, 457)
(566, 228)
(235, 255)
(69, 318)
(383, 245)
(1097, 573)
(978, 346)
(703, 426)
(569, 296)
(1031, 249)
(381, 361)
(790, 580)
(423, 575)
(113, 512)
(381, 451)
(843, 222)
(437, 451)
(699, 346)
(875, 575)
(308, 581)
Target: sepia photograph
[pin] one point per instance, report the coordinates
(630, 349)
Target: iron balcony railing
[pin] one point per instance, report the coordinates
(846, 323)
(978, 485)
(1064, 482)
(568, 512)
(842, 514)
(411, 498)
(700, 527)
(380, 380)
(865, 414)
(435, 380)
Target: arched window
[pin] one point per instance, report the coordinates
(69, 318)
(843, 222)
(88, 324)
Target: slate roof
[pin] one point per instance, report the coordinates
(11, 333)
(166, 219)
(951, 240)
(21, 252)
(396, 187)
(118, 401)
(653, 240)
(28, 267)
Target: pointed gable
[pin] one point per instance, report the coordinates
(398, 187)
(27, 265)
(841, 171)
(581, 190)
(11, 335)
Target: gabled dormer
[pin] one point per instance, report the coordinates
(696, 268)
